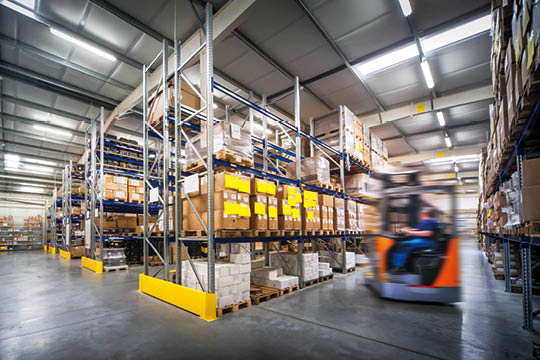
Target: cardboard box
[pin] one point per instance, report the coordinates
(183, 255)
(326, 200)
(77, 251)
(227, 181)
(530, 199)
(135, 183)
(221, 221)
(259, 213)
(285, 222)
(272, 203)
(135, 197)
(263, 187)
(289, 193)
(126, 222)
(200, 202)
(531, 172)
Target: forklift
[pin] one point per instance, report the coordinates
(429, 273)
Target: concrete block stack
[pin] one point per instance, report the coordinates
(335, 259)
(324, 269)
(289, 263)
(232, 280)
(273, 277)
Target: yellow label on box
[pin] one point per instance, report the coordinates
(272, 212)
(261, 186)
(310, 215)
(489, 213)
(295, 213)
(260, 209)
(230, 208)
(440, 154)
(244, 186)
(310, 199)
(231, 182)
(420, 107)
(287, 210)
(271, 189)
(243, 210)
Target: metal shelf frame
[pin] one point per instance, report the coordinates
(158, 193)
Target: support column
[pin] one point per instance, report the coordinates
(527, 285)
(507, 280)
(166, 163)
(298, 140)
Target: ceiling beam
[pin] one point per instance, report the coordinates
(438, 130)
(54, 85)
(42, 138)
(404, 137)
(98, 43)
(35, 157)
(432, 155)
(14, 190)
(422, 107)
(43, 108)
(61, 61)
(338, 51)
(22, 120)
(225, 20)
(27, 178)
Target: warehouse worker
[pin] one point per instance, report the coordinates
(422, 237)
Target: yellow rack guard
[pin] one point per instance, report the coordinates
(194, 301)
(91, 264)
(52, 249)
(65, 254)
(45, 248)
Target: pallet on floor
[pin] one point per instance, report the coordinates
(115, 268)
(262, 293)
(326, 278)
(311, 282)
(233, 307)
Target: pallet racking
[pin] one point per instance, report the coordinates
(159, 191)
(518, 154)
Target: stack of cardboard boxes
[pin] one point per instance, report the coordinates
(311, 218)
(530, 193)
(326, 205)
(289, 200)
(271, 276)
(351, 222)
(289, 263)
(264, 205)
(339, 214)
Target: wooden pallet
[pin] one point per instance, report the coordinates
(351, 269)
(233, 233)
(225, 155)
(322, 185)
(115, 268)
(311, 282)
(499, 276)
(266, 233)
(312, 232)
(326, 278)
(233, 307)
(532, 228)
(262, 293)
(288, 290)
(290, 232)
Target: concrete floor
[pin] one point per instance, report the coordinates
(52, 309)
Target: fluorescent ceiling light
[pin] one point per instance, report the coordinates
(54, 131)
(37, 168)
(453, 159)
(31, 4)
(405, 7)
(386, 60)
(21, 10)
(448, 141)
(440, 116)
(11, 161)
(455, 34)
(30, 189)
(214, 105)
(470, 181)
(456, 168)
(83, 44)
(427, 74)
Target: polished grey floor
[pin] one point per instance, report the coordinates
(52, 309)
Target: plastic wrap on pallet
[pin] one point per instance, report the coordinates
(314, 169)
(362, 184)
(229, 138)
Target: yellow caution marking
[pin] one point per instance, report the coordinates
(44, 248)
(52, 249)
(195, 301)
(65, 254)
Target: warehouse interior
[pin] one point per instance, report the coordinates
(367, 190)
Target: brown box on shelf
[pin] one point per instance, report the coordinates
(531, 172)
(183, 255)
(114, 194)
(530, 199)
(135, 197)
(221, 221)
(259, 214)
(272, 203)
(326, 200)
(135, 183)
(263, 187)
(126, 222)
(285, 222)
(227, 181)
(76, 251)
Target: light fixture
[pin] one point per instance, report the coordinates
(83, 44)
(30, 189)
(37, 168)
(456, 168)
(471, 28)
(459, 181)
(405, 7)
(11, 161)
(214, 105)
(51, 130)
(470, 181)
(440, 116)
(453, 159)
(386, 60)
(20, 9)
(427, 74)
(448, 141)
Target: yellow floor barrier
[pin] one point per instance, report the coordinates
(194, 301)
(91, 264)
(44, 248)
(65, 254)
(52, 249)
